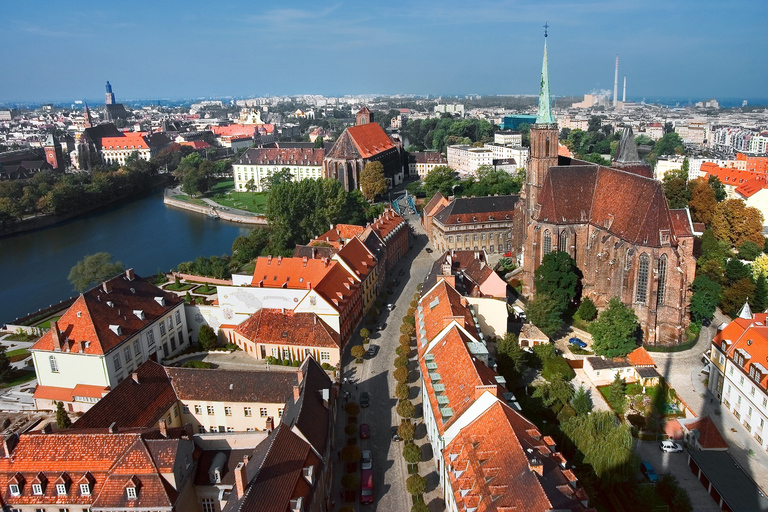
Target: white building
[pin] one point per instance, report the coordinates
(508, 138)
(507, 151)
(467, 159)
(259, 163)
(420, 163)
(454, 108)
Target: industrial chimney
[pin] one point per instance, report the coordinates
(624, 95)
(616, 84)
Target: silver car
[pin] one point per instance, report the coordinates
(365, 461)
(670, 447)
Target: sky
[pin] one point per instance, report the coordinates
(56, 51)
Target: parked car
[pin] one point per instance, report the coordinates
(429, 250)
(365, 460)
(365, 432)
(395, 436)
(649, 472)
(577, 342)
(670, 447)
(364, 400)
(380, 327)
(366, 487)
(371, 350)
(390, 307)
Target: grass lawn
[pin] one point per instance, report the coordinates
(223, 187)
(254, 202)
(47, 323)
(184, 197)
(18, 377)
(17, 352)
(181, 287)
(19, 337)
(205, 289)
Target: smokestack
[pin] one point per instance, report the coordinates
(624, 95)
(616, 84)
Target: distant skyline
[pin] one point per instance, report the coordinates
(684, 49)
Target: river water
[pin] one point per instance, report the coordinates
(144, 234)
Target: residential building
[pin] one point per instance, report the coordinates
(107, 333)
(450, 108)
(467, 159)
(395, 233)
(478, 223)
(738, 374)
(287, 335)
(104, 471)
(508, 152)
(726, 482)
(435, 204)
(256, 164)
(420, 163)
(115, 149)
(508, 138)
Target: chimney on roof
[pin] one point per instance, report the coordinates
(241, 478)
(56, 335)
(113, 428)
(47, 428)
(269, 259)
(135, 377)
(296, 393)
(163, 427)
(106, 286)
(129, 275)
(270, 424)
(9, 443)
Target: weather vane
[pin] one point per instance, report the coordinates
(546, 26)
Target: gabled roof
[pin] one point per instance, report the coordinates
(282, 156)
(749, 338)
(86, 326)
(435, 201)
(310, 415)
(128, 140)
(286, 327)
(337, 286)
(709, 435)
(370, 139)
(640, 357)
(357, 258)
(340, 233)
(470, 210)
(232, 385)
(292, 273)
(387, 222)
(440, 303)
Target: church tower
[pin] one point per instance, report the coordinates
(544, 138)
(53, 153)
(88, 121)
(110, 95)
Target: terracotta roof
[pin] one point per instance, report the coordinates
(387, 223)
(282, 156)
(337, 286)
(234, 130)
(341, 232)
(370, 139)
(748, 338)
(294, 273)
(288, 328)
(709, 435)
(439, 305)
(195, 144)
(431, 157)
(357, 257)
(67, 394)
(752, 186)
(681, 222)
(640, 357)
(489, 465)
(471, 210)
(129, 140)
(232, 385)
(436, 200)
(86, 326)
(632, 207)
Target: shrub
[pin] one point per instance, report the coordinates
(409, 320)
(197, 364)
(404, 338)
(405, 409)
(587, 310)
(407, 329)
(401, 361)
(365, 333)
(350, 481)
(352, 409)
(327, 367)
(296, 364)
(416, 484)
(557, 365)
(401, 374)
(207, 338)
(406, 430)
(351, 429)
(419, 506)
(411, 311)
(411, 453)
(351, 453)
(402, 391)
(357, 352)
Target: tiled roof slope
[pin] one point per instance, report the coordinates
(640, 357)
(294, 273)
(357, 257)
(747, 336)
(281, 156)
(387, 222)
(337, 286)
(314, 252)
(709, 435)
(370, 139)
(288, 328)
(441, 303)
(468, 210)
(129, 140)
(433, 202)
(632, 207)
(90, 317)
(489, 467)
(341, 232)
(311, 413)
(150, 398)
(232, 385)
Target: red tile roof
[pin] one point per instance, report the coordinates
(441, 304)
(370, 139)
(68, 394)
(286, 327)
(282, 156)
(341, 232)
(640, 357)
(357, 257)
(234, 130)
(293, 273)
(129, 140)
(748, 338)
(195, 144)
(85, 326)
(388, 222)
(709, 435)
(337, 286)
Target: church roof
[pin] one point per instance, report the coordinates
(544, 115)
(364, 141)
(626, 153)
(628, 205)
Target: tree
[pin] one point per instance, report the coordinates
(419, 506)
(62, 419)
(703, 201)
(357, 352)
(207, 338)
(5, 365)
(735, 270)
(760, 266)
(94, 269)
(407, 328)
(614, 330)
(735, 223)
(557, 391)
(734, 296)
(352, 409)
(545, 313)
(272, 180)
(401, 361)
(411, 453)
(759, 300)
(557, 277)
(406, 430)
(749, 250)
(676, 188)
(717, 187)
(401, 374)
(405, 409)
(704, 298)
(372, 180)
(250, 185)
(510, 356)
(350, 481)
(581, 401)
(365, 333)
(587, 310)
(617, 396)
(440, 179)
(669, 144)
(416, 485)
(351, 453)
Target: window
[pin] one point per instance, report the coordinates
(210, 410)
(61, 489)
(169, 322)
(150, 338)
(173, 342)
(198, 409)
(313, 301)
(131, 493)
(466, 238)
(450, 239)
(85, 489)
(482, 237)
(642, 280)
(280, 412)
(37, 489)
(547, 242)
(227, 411)
(128, 355)
(208, 505)
(286, 353)
(162, 329)
(54, 364)
(178, 317)
(14, 488)
(275, 352)
(325, 356)
(116, 361)
(562, 244)
(201, 429)
(741, 380)
(230, 429)
(175, 412)
(247, 412)
(662, 281)
(181, 338)
(185, 409)
(765, 401)
(263, 412)
(137, 347)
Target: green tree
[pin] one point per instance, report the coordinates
(372, 180)
(733, 297)
(357, 352)
(759, 300)
(749, 250)
(669, 144)
(62, 419)
(416, 485)
(704, 298)
(272, 180)
(702, 201)
(411, 453)
(319, 143)
(718, 187)
(401, 374)
(587, 310)
(94, 269)
(440, 179)
(617, 396)
(676, 188)
(735, 270)
(5, 365)
(581, 401)
(546, 313)
(351, 453)
(614, 330)
(557, 277)
(350, 481)
(510, 356)
(365, 333)
(406, 430)
(250, 185)
(735, 223)
(206, 338)
(405, 409)
(557, 391)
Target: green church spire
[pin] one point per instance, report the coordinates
(544, 116)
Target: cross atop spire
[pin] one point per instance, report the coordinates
(544, 115)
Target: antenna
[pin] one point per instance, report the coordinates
(546, 26)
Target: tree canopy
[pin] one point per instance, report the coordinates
(557, 277)
(271, 180)
(703, 201)
(734, 222)
(93, 269)
(439, 179)
(372, 180)
(546, 313)
(614, 330)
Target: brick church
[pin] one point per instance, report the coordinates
(615, 223)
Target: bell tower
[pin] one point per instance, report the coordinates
(544, 141)
(53, 153)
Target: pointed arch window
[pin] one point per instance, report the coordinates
(642, 280)
(562, 244)
(547, 242)
(662, 281)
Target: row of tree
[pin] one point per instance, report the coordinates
(438, 134)
(487, 181)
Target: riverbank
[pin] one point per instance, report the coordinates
(213, 210)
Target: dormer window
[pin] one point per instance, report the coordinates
(85, 490)
(37, 489)
(61, 489)
(131, 493)
(14, 490)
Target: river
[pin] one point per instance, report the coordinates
(144, 234)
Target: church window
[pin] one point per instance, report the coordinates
(547, 242)
(562, 244)
(642, 279)
(662, 281)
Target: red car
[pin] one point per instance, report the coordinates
(366, 487)
(365, 433)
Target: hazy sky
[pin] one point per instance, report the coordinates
(682, 48)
